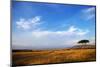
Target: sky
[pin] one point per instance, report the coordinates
(37, 25)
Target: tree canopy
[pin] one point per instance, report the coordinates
(83, 41)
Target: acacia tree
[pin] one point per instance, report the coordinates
(83, 42)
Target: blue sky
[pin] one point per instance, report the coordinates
(42, 25)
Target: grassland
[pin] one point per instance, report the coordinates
(53, 56)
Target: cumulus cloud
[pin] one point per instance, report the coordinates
(26, 24)
(89, 13)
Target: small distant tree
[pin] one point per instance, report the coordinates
(83, 42)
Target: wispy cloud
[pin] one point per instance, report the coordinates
(26, 24)
(72, 31)
(92, 9)
(88, 13)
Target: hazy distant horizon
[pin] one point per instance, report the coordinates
(47, 26)
(45, 48)
(30, 48)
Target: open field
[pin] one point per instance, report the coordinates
(53, 56)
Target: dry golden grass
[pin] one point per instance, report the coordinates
(53, 56)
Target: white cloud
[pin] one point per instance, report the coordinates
(91, 16)
(72, 31)
(81, 32)
(26, 24)
(89, 13)
(89, 10)
(35, 19)
(46, 39)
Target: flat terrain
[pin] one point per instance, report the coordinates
(53, 56)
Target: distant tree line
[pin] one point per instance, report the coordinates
(21, 50)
